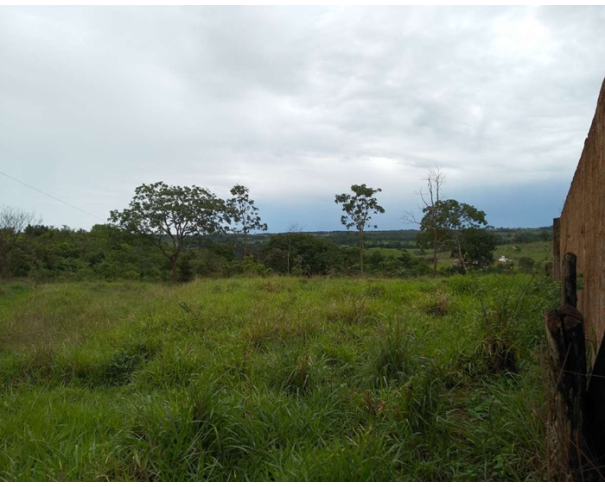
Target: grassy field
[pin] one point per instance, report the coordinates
(274, 379)
(539, 251)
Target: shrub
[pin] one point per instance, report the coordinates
(247, 267)
(527, 264)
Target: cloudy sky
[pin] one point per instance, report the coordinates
(297, 104)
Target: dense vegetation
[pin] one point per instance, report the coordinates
(272, 378)
(105, 252)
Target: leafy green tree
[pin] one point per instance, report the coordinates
(169, 215)
(444, 223)
(358, 209)
(477, 246)
(243, 212)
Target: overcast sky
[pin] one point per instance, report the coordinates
(297, 104)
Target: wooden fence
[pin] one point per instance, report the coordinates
(581, 229)
(575, 330)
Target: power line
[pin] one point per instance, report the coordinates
(51, 196)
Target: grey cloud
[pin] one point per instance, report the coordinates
(298, 103)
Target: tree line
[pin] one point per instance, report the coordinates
(171, 230)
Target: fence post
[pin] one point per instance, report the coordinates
(556, 249)
(595, 398)
(569, 294)
(567, 350)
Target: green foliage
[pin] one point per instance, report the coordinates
(46, 254)
(477, 247)
(247, 267)
(448, 217)
(527, 264)
(446, 223)
(167, 215)
(186, 268)
(358, 208)
(304, 254)
(401, 264)
(244, 214)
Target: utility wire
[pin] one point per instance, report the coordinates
(51, 196)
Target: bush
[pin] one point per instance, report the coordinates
(527, 264)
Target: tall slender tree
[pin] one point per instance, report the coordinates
(244, 214)
(358, 208)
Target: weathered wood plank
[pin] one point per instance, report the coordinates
(567, 350)
(569, 294)
(595, 402)
(556, 249)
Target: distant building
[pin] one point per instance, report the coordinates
(504, 260)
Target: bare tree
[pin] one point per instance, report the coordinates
(435, 180)
(13, 222)
(15, 219)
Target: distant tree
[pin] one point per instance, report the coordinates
(308, 255)
(13, 223)
(445, 222)
(358, 209)
(292, 230)
(169, 215)
(527, 264)
(243, 212)
(430, 225)
(400, 264)
(477, 246)
(186, 272)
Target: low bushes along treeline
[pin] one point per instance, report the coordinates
(106, 252)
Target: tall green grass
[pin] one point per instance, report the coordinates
(273, 379)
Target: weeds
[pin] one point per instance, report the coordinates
(436, 304)
(352, 311)
(393, 355)
(503, 316)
